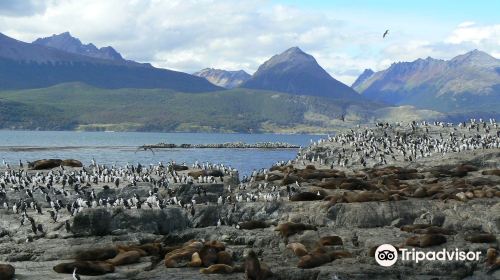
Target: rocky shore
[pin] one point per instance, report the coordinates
(231, 145)
(319, 216)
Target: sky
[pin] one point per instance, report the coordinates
(345, 36)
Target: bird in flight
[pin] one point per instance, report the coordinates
(385, 33)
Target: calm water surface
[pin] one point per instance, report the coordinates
(121, 147)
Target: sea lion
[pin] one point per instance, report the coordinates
(435, 230)
(306, 196)
(491, 256)
(479, 193)
(217, 245)
(97, 254)
(313, 260)
(365, 196)
(224, 257)
(252, 266)
(186, 251)
(253, 225)
(340, 254)
(208, 256)
(125, 257)
(177, 167)
(495, 172)
(217, 269)
(147, 249)
(7, 272)
(410, 176)
(195, 260)
(91, 268)
(426, 240)
(44, 164)
(330, 240)
(480, 238)
(124, 248)
(298, 249)
(274, 177)
(197, 173)
(411, 228)
(71, 163)
(420, 192)
(290, 228)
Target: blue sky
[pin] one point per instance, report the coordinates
(187, 35)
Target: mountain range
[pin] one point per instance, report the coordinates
(224, 78)
(466, 83)
(66, 42)
(35, 65)
(58, 82)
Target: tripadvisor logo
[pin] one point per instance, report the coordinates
(387, 255)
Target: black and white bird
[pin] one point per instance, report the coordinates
(75, 275)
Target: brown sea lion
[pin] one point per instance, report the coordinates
(7, 272)
(491, 255)
(274, 177)
(365, 196)
(125, 248)
(217, 269)
(91, 268)
(208, 256)
(298, 249)
(481, 238)
(330, 240)
(212, 172)
(172, 258)
(426, 240)
(252, 266)
(491, 172)
(217, 245)
(126, 257)
(411, 228)
(340, 254)
(492, 260)
(151, 249)
(435, 230)
(195, 260)
(253, 225)
(420, 192)
(224, 257)
(410, 176)
(313, 260)
(290, 228)
(97, 254)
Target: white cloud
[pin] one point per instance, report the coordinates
(189, 35)
(470, 32)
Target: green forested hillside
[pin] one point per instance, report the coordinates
(79, 106)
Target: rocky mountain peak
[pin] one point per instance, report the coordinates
(66, 42)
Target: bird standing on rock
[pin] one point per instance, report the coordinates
(75, 275)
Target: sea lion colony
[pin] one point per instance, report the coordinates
(319, 216)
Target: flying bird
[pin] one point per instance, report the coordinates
(385, 33)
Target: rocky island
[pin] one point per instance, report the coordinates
(322, 215)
